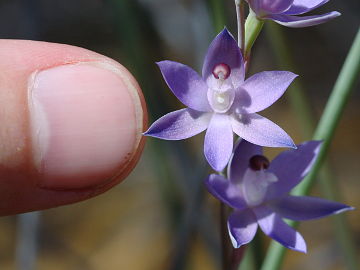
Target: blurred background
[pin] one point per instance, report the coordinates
(161, 217)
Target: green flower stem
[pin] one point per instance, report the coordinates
(343, 232)
(325, 131)
(253, 27)
(239, 7)
(248, 263)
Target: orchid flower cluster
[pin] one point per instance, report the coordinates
(223, 101)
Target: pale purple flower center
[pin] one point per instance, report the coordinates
(257, 180)
(221, 94)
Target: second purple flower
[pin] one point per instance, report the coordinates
(222, 102)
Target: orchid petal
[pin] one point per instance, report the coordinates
(186, 85)
(218, 141)
(222, 189)
(261, 131)
(270, 6)
(178, 125)
(239, 161)
(273, 226)
(224, 49)
(303, 6)
(291, 167)
(265, 88)
(304, 21)
(305, 208)
(242, 227)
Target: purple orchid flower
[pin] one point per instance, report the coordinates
(283, 11)
(222, 102)
(258, 192)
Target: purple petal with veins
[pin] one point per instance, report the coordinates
(303, 21)
(273, 226)
(264, 88)
(291, 167)
(281, 11)
(178, 125)
(218, 141)
(261, 131)
(270, 6)
(303, 6)
(306, 208)
(186, 85)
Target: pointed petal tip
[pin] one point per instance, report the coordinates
(216, 167)
(224, 31)
(294, 75)
(300, 246)
(234, 243)
(160, 62)
(225, 34)
(346, 208)
(242, 227)
(304, 250)
(147, 133)
(150, 132)
(290, 144)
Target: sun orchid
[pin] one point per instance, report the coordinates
(283, 11)
(222, 102)
(258, 190)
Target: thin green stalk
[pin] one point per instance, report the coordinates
(253, 27)
(248, 263)
(325, 131)
(258, 249)
(239, 7)
(343, 232)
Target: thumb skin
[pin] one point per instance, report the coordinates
(71, 124)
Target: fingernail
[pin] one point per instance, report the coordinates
(84, 124)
